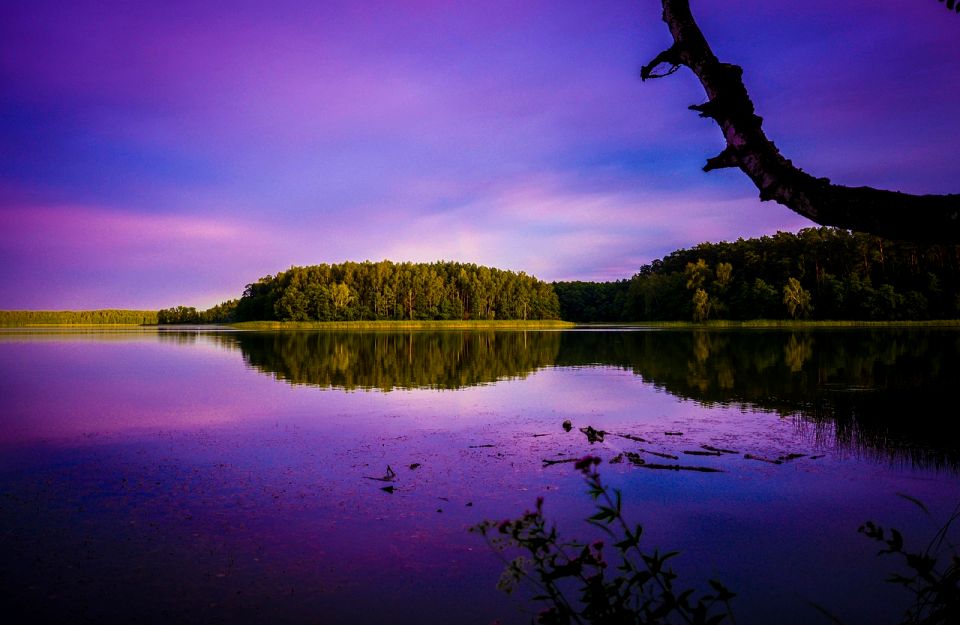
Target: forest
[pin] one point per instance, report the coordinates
(221, 313)
(817, 273)
(386, 290)
(13, 318)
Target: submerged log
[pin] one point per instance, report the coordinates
(762, 459)
(681, 467)
(632, 437)
(660, 454)
(549, 463)
(718, 449)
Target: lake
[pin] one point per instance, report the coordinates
(207, 476)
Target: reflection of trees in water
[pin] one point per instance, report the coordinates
(876, 392)
(356, 360)
(879, 392)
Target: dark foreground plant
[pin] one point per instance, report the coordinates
(579, 585)
(934, 572)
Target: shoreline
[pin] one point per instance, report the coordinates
(509, 324)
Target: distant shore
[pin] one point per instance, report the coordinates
(492, 324)
(799, 324)
(505, 324)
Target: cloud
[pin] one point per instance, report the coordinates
(548, 227)
(169, 153)
(87, 256)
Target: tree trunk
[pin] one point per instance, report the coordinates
(928, 218)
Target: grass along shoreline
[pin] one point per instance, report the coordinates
(798, 324)
(493, 324)
(511, 324)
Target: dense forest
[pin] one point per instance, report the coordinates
(387, 290)
(221, 313)
(77, 317)
(818, 273)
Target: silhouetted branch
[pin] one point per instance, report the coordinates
(933, 218)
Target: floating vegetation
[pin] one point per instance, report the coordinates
(762, 459)
(548, 463)
(567, 425)
(415, 465)
(389, 476)
(634, 459)
(660, 454)
(633, 437)
(593, 435)
(717, 449)
(790, 457)
(680, 467)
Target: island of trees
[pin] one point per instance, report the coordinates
(384, 291)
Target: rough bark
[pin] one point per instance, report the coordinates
(928, 218)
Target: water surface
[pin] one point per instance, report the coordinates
(204, 476)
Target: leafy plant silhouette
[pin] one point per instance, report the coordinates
(579, 585)
(934, 572)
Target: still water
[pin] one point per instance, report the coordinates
(211, 476)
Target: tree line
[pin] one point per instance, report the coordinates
(77, 317)
(817, 273)
(386, 290)
(221, 313)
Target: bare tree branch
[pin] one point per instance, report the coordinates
(930, 218)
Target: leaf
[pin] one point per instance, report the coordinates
(723, 593)
(822, 610)
(896, 540)
(605, 514)
(632, 540)
(914, 501)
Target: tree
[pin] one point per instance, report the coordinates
(796, 298)
(701, 305)
(933, 218)
(696, 274)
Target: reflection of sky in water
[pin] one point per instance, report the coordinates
(142, 475)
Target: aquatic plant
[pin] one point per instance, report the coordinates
(578, 584)
(933, 576)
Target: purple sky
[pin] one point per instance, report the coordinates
(163, 153)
